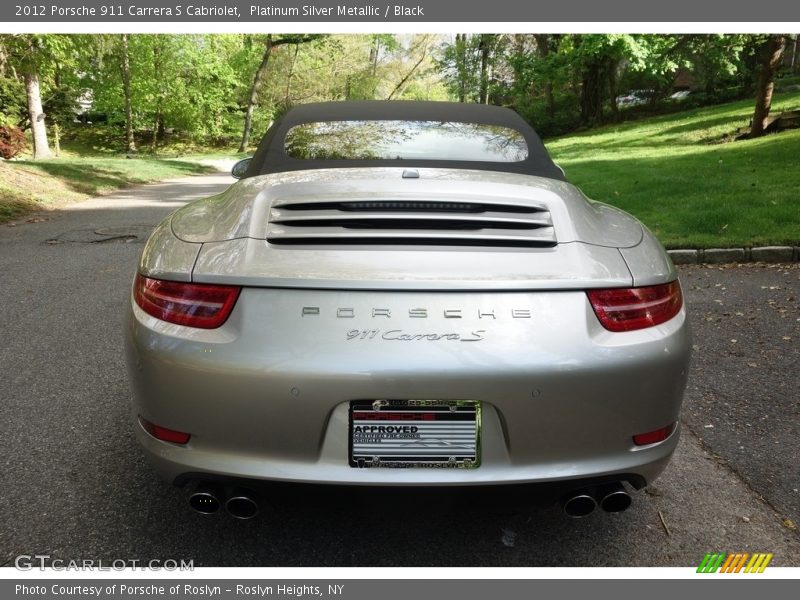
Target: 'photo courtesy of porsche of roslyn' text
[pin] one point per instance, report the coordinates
(400, 300)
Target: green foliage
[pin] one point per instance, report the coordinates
(195, 89)
(53, 59)
(468, 66)
(186, 83)
(13, 107)
(542, 87)
(563, 82)
(61, 104)
(45, 54)
(459, 66)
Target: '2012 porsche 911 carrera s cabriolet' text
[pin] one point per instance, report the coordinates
(405, 294)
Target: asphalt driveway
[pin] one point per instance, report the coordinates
(74, 484)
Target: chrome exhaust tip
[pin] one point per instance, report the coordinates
(614, 498)
(205, 498)
(242, 505)
(579, 505)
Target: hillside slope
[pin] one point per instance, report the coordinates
(27, 186)
(684, 179)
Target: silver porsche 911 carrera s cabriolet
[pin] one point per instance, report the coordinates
(405, 294)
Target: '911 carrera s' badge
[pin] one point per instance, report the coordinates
(398, 335)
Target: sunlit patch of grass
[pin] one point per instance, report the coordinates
(673, 173)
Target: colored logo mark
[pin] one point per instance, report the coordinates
(734, 563)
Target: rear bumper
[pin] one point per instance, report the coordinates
(174, 463)
(561, 396)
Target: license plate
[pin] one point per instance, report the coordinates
(415, 434)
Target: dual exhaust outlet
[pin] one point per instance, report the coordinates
(611, 497)
(209, 498)
(240, 503)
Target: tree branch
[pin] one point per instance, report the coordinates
(403, 81)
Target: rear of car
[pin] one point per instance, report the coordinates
(349, 314)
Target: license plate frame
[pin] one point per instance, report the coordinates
(416, 434)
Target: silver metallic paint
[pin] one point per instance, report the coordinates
(266, 394)
(252, 262)
(168, 257)
(242, 210)
(647, 261)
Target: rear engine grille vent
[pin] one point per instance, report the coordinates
(422, 222)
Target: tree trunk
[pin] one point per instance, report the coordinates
(157, 121)
(41, 149)
(484, 47)
(373, 55)
(612, 87)
(57, 139)
(544, 47)
(592, 95)
(287, 97)
(408, 75)
(771, 54)
(549, 99)
(461, 65)
(130, 143)
(156, 125)
(251, 103)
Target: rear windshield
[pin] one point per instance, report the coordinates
(405, 140)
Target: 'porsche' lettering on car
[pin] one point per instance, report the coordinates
(414, 313)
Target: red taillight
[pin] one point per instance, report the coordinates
(627, 309)
(164, 434)
(192, 304)
(651, 437)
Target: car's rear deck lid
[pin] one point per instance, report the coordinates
(440, 207)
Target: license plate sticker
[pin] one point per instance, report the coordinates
(415, 434)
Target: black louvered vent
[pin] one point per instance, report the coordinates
(401, 221)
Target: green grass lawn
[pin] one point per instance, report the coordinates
(693, 189)
(26, 186)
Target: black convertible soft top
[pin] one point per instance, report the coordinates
(271, 156)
